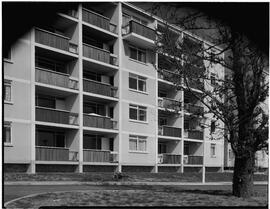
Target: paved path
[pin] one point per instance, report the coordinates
(15, 191)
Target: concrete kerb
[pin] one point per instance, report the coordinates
(108, 183)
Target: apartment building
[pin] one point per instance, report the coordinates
(90, 94)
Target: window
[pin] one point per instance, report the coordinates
(7, 91)
(213, 150)
(92, 142)
(137, 82)
(92, 76)
(213, 79)
(51, 64)
(162, 121)
(45, 101)
(162, 94)
(7, 133)
(186, 149)
(137, 143)
(50, 138)
(162, 147)
(213, 127)
(137, 54)
(96, 108)
(186, 124)
(137, 113)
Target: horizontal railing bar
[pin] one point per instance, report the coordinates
(51, 71)
(91, 46)
(47, 108)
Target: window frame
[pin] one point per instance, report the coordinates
(213, 150)
(138, 108)
(8, 59)
(137, 78)
(55, 133)
(8, 124)
(138, 139)
(137, 54)
(8, 83)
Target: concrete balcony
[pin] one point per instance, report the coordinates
(102, 156)
(56, 116)
(139, 34)
(195, 134)
(98, 121)
(194, 109)
(169, 131)
(55, 78)
(55, 154)
(54, 40)
(193, 160)
(167, 158)
(99, 54)
(169, 103)
(98, 20)
(99, 88)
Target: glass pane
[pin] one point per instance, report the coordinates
(133, 53)
(142, 145)
(91, 142)
(132, 83)
(142, 56)
(132, 144)
(126, 19)
(60, 140)
(142, 85)
(142, 115)
(45, 138)
(7, 137)
(7, 93)
(132, 113)
(46, 102)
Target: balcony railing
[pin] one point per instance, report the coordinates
(167, 158)
(140, 29)
(195, 134)
(99, 156)
(193, 160)
(98, 54)
(55, 154)
(98, 121)
(194, 109)
(169, 131)
(99, 88)
(169, 103)
(56, 116)
(55, 78)
(54, 40)
(169, 76)
(98, 20)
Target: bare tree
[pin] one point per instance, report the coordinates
(234, 99)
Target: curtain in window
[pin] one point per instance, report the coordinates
(132, 144)
(142, 145)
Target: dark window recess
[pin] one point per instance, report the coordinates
(94, 108)
(92, 42)
(162, 94)
(111, 144)
(112, 80)
(162, 148)
(92, 76)
(111, 49)
(92, 142)
(44, 101)
(50, 138)
(186, 124)
(213, 126)
(186, 149)
(111, 112)
(7, 54)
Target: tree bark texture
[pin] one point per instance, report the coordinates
(243, 176)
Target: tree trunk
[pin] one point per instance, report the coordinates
(243, 176)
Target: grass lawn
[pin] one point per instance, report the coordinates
(143, 196)
(134, 177)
